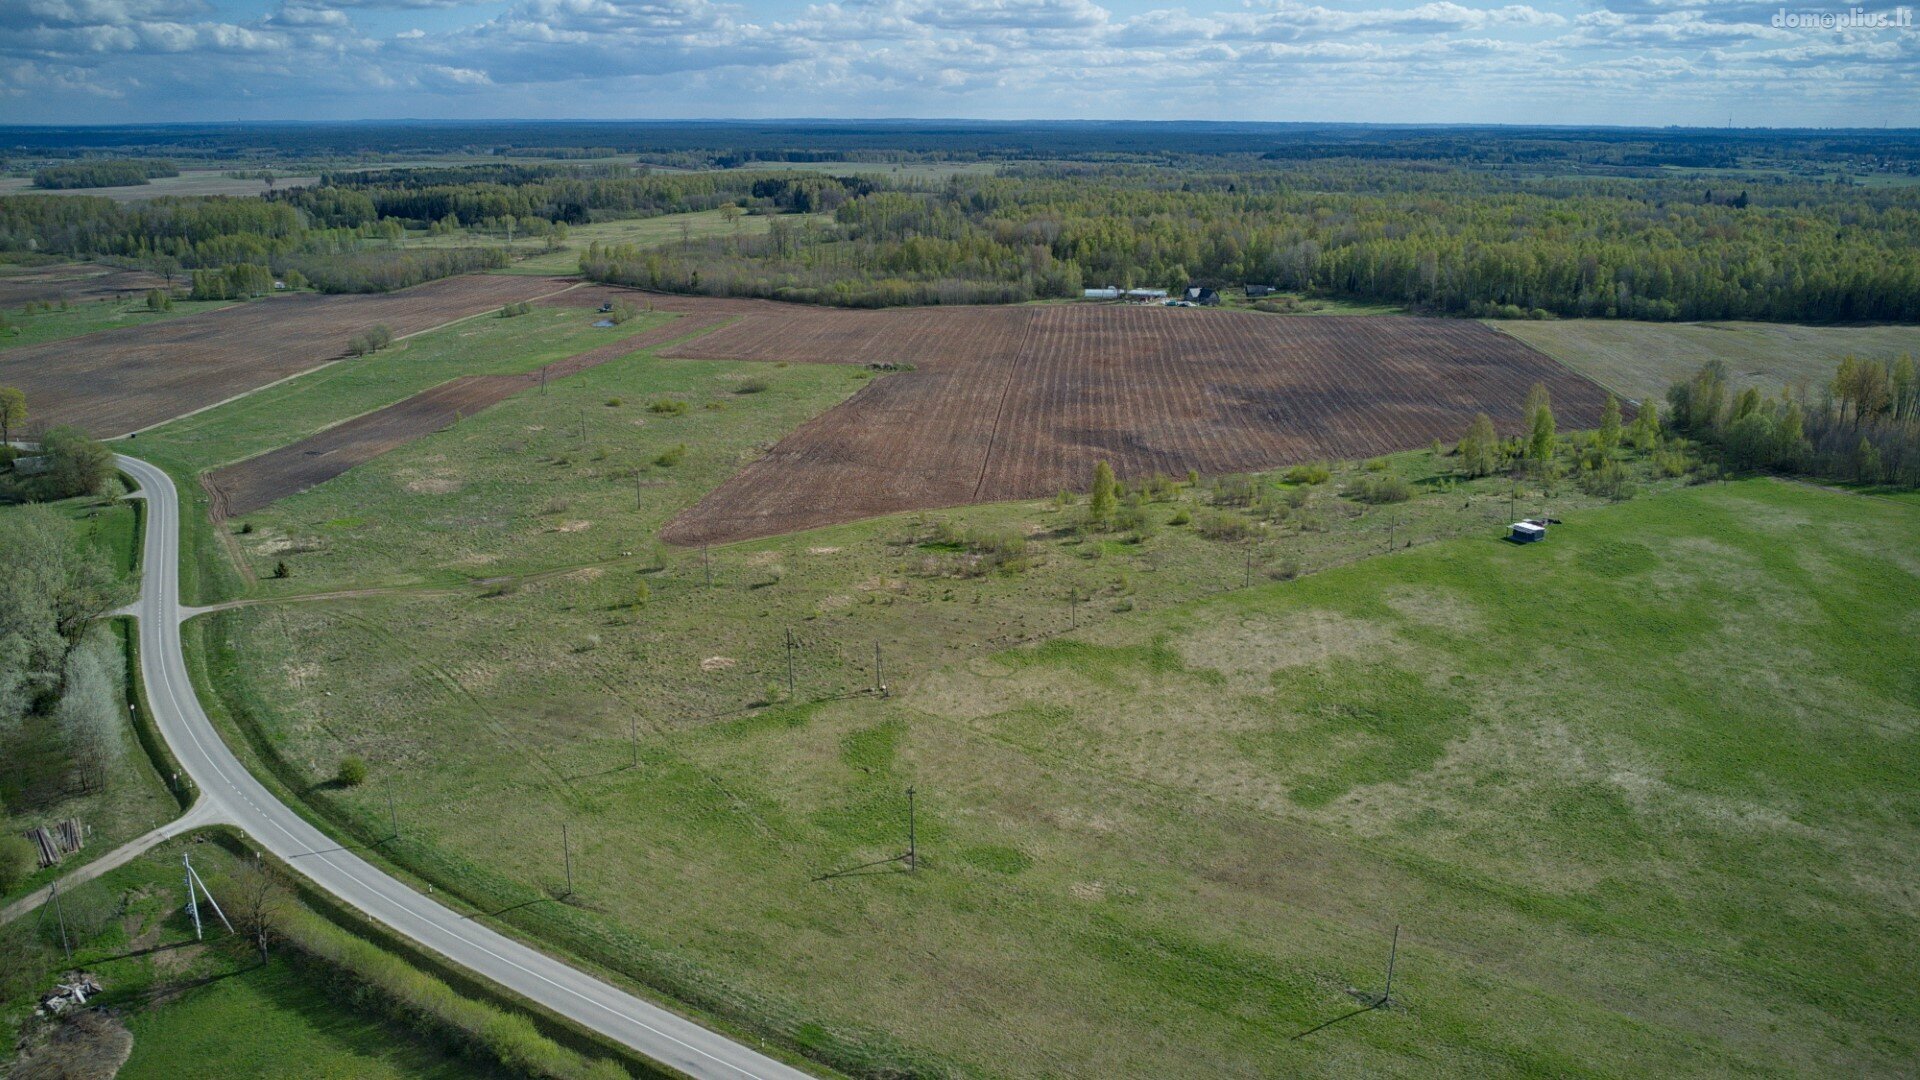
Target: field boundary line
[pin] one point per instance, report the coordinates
(1624, 397)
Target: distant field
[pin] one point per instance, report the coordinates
(531, 256)
(123, 380)
(904, 170)
(1640, 360)
(92, 317)
(72, 282)
(189, 182)
(249, 485)
(1016, 402)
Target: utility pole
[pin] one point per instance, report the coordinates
(1392, 955)
(393, 816)
(1073, 609)
(789, 661)
(566, 852)
(913, 850)
(62, 916)
(879, 675)
(633, 737)
(706, 564)
(1249, 580)
(193, 902)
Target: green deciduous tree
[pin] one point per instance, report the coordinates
(1608, 437)
(77, 464)
(1540, 426)
(17, 861)
(13, 411)
(1105, 497)
(1646, 425)
(1479, 448)
(52, 588)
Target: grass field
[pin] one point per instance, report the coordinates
(286, 412)
(1618, 839)
(521, 488)
(277, 1021)
(189, 182)
(1639, 360)
(1639, 795)
(91, 317)
(909, 171)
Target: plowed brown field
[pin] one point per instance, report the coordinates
(73, 282)
(248, 485)
(118, 381)
(1010, 403)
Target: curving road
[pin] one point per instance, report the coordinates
(230, 794)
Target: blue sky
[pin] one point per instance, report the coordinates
(1652, 62)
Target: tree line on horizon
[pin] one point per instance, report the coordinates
(1452, 242)
(1435, 237)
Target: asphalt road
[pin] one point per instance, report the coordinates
(229, 793)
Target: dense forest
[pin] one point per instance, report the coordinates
(1440, 240)
(243, 242)
(1459, 222)
(93, 174)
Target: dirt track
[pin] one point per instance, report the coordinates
(118, 381)
(1009, 403)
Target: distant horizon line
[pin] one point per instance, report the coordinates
(895, 121)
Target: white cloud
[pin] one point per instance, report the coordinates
(1329, 60)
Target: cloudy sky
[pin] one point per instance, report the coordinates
(1694, 62)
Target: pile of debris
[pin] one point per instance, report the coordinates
(71, 993)
(57, 841)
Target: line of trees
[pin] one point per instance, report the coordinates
(1439, 236)
(1863, 426)
(98, 173)
(1447, 241)
(58, 682)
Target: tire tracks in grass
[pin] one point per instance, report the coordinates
(434, 673)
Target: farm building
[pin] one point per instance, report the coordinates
(1526, 532)
(1259, 290)
(1146, 296)
(1111, 292)
(1200, 294)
